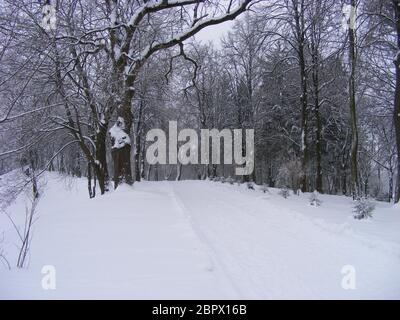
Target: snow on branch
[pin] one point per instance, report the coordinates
(200, 25)
(158, 6)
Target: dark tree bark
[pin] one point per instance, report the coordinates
(143, 164)
(300, 35)
(318, 142)
(343, 179)
(396, 113)
(121, 154)
(138, 144)
(138, 162)
(315, 37)
(122, 165)
(355, 189)
(318, 147)
(178, 172)
(100, 165)
(271, 180)
(90, 177)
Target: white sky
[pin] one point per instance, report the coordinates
(214, 33)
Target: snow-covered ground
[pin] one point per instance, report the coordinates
(201, 239)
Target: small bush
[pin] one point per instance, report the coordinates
(289, 174)
(284, 192)
(230, 180)
(363, 209)
(264, 188)
(250, 185)
(314, 200)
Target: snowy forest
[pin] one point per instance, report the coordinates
(320, 98)
(82, 82)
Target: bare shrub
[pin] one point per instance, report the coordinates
(284, 192)
(289, 175)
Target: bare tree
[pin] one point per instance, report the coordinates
(355, 189)
(396, 111)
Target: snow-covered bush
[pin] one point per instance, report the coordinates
(284, 192)
(250, 185)
(363, 209)
(314, 199)
(264, 188)
(217, 179)
(223, 179)
(230, 180)
(289, 174)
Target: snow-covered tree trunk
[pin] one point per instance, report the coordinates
(121, 150)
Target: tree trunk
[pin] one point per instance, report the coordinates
(304, 127)
(319, 181)
(121, 131)
(212, 170)
(271, 181)
(121, 148)
(142, 157)
(100, 166)
(90, 177)
(355, 190)
(122, 165)
(178, 172)
(138, 147)
(204, 172)
(138, 162)
(315, 77)
(148, 172)
(300, 30)
(344, 179)
(396, 113)
(390, 185)
(318, 144)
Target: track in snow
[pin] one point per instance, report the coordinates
(270, 252)
(199, 239)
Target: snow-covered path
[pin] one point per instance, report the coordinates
(134, 243)
(199, 239)
(272, 252)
